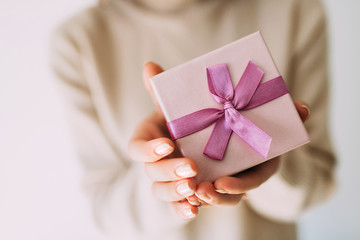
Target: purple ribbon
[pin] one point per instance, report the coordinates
(248, 94)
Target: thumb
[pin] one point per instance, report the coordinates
(151, 69)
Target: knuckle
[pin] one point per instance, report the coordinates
(163, 170)
(148, 169)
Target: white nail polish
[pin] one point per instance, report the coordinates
(163, 149)
(188, 213)
(185, 171)
(184, 190)
(204, 197)
(221, 191)
(308, 110)
(194, 203)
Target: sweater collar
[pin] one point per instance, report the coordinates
(165, 6)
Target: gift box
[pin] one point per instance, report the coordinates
(229, 109)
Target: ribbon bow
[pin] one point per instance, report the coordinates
(248, 94)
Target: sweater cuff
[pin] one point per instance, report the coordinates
(277, 200)
(285, 195)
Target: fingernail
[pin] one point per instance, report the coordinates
(185, 171)
(188, 213)
(221, 191)
(204, 197)
(194, 202)
(184, 189)
(163, 149)
(307, 109)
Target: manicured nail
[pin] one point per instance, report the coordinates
(184, 189)
(221, 191)
(204, 197)
(188, 213)
(193, 202)
(185, 171)
(163, 149)
(307, 109)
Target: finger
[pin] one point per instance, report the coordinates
(150, 151)
(151, 69)
(171, 169)
(303, 109)
(193, 200)
(174, 191)
(184, 209)
(206, 192)
(154, 126)
(249, 179)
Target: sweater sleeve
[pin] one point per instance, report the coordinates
(306, 175)
(118, 188)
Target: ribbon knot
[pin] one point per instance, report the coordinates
(228, 104)
(248, 94)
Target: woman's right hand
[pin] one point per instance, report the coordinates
(172, 174)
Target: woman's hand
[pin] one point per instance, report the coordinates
(172, 174)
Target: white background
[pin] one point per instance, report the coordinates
(40, 195)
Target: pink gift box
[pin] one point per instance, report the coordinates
(184, 89)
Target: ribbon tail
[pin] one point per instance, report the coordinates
(218, 141)
(193, 122)
(256, 138)
(247, 85)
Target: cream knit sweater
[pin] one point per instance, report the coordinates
(98, 57)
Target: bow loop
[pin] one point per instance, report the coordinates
(219, 82)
